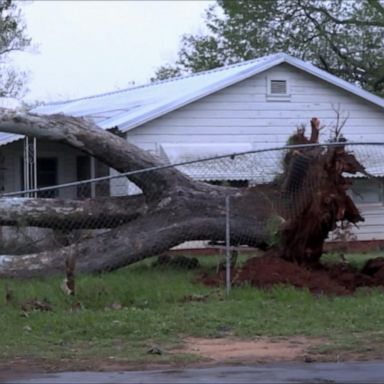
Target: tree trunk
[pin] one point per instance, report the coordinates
(200, 215)
(71, 214)
(315, 195)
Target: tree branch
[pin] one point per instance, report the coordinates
(346, 59)
(71, 214)
(201, 216)
(377, 5)
(103, 145)
(351, 21)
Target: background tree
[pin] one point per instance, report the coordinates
(12, 38)
(166, 72)
(345, 38)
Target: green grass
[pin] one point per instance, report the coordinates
(356, 260)
(155, 312)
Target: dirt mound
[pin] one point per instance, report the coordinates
(333, 279)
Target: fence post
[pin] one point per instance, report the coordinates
(227, 246)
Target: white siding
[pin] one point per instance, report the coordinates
(242, 113)
(373, 226)
(120, 186)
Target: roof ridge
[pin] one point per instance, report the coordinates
(217, 69)
(172, 79)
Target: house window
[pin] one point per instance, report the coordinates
(278, 89)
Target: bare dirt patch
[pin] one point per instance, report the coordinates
(209, 352)
(259, 350)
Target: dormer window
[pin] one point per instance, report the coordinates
(278, 89)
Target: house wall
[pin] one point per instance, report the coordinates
(242, 113)
(373, 226)
(66, 158)
(369, 197)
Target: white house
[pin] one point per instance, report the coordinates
(250, 105)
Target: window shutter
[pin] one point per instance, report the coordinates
(279, 87)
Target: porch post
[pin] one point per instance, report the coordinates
(30, 164)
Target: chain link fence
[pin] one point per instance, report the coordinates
(119, 202)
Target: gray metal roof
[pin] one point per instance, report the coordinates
(261, 164)
(10, 103)
(134, 106)
(6, 138)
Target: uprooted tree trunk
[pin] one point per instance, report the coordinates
(174, 208)
(314, 196)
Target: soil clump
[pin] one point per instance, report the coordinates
(327, 279)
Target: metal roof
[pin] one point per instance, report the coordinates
(236, 161)
(135, 106)
(9, 103)
(6, 138)
(239, 161)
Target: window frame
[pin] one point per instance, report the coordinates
(276, 96)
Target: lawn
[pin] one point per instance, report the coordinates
(124, 313)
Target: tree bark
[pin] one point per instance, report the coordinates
(71, 214)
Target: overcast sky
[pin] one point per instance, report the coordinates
(88, 47)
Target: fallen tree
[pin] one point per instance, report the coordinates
(175, 208)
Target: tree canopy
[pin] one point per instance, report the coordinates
(345, 38)
(12, 38)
